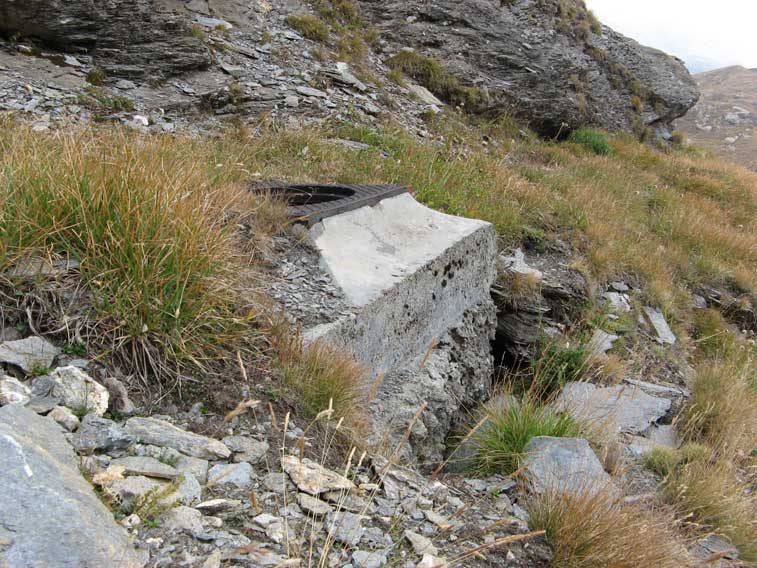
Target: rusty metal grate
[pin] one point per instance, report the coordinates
(313, 202)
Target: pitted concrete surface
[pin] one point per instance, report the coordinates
(412, 272)
(370, 250)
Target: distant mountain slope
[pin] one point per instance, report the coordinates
(725, 117)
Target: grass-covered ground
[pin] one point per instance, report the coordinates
(170, 244)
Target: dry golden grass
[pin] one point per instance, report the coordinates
(592, 529)
(320, 378)
(154, 224)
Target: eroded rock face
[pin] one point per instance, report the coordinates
(128, 38)
(541, 61)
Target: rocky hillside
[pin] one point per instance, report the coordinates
(724, 119)
(548, 62)
(498, 338)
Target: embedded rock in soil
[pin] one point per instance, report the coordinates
(623, 408)
(563, 465)
(162, 433)
(28, 354)
(312, 477)
(50, 515)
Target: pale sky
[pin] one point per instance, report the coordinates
(706, 34)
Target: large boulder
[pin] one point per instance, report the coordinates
(50, 516)
(130, 38)
(548, 61)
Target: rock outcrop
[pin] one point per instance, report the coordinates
(550, 63)
(127, 38)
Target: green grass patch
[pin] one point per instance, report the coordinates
(591, 139)
(310, 26)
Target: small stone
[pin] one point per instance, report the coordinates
(162, 433)
(13, 391)
(131, 521)
(291, 101)
(194, 466)
(119, 397)
(600, 343)
(617, 302)
(129, 489)
(237, 474)
(312, 477)
(246, 449)
(28, 354)
(345, 527)
(147, 466)
(619, 286)
(65, 418)
(310, 92)
(76, 390)
(424, 95)
(276, 482)
(125, 85)
(214, 506)
(183, 519)
(42, 404)
(213, 561)
(431, 561)
(365, 559)
(100, 434)
(664, 334)
(421, 544)
(439, 520)
(313, 506)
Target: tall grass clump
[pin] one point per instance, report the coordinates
(509, 424)
(318, 377)
(154, 227)
(593, 529)
(431, 74)
(591, 139)
(310, 26)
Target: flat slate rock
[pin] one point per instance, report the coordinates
(563, 465)
(28, 353)
(665, 335)
(162, 433)
(626, 408)
(50, 515)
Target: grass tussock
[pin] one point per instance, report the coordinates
(594, 530)
(431, 74)
(510, 423)
(319, 378)
(310, 26)
(709, 486)
(592, 140)
(153, 222)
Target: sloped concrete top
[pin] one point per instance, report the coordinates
(370, 250)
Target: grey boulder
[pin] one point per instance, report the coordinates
(28, 353)
(563, 465)
(50, 514)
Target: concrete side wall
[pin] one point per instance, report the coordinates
(414, 270)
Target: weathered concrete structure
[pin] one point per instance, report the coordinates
(415, 288)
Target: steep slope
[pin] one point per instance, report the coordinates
(724, 119)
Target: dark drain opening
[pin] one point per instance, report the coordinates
(297, 195)
(313, 202)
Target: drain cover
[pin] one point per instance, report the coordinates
(312, 202)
